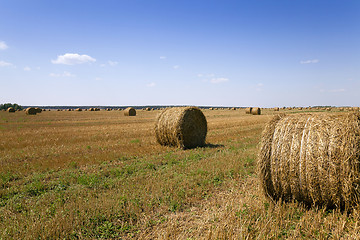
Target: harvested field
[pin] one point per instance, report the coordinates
(102, 175)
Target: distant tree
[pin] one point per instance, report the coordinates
(7, 105)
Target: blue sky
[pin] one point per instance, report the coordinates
(156, 52)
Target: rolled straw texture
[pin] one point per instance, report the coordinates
(248, 110)
(31, 111)
(183, 127)
(256, 111)
(312, 158)
(130, 111)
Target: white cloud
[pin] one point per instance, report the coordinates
(162, 57)
(337, 90)
(309, 61)
(176, 67)
(64, 74)
(3, 46)
(5, 64)
(27, 68)
(112, 63)
(151, 84)
(72, 59)
(219, 80)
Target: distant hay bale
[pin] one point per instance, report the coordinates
(233, 108)
(183, 127)
(328, 109)
(147, 109)
(248, 110)
(78, 109)
(256, 111)
(31, 111)
(211, 109)
(312, 158)
(97, 109)
(38, 110)
(91, 109)
(11, 110)
(130, 111)
(276, 109)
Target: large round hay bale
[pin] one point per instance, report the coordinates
(130, 111)
(38, 110)
(31, 111)
(11, 110)
(183, 127)
(248, 110)
(256, 111)
(276, 109)
(78, 109)
(312, 158)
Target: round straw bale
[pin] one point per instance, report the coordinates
(31, 111)
(38, 110)
(130, 111)
(256, 111)
(78, 109)
(11, 109)
(276, 109)
(248, 110)
(312, 158)
(183, 127)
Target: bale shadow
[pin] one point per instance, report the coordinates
(210, 145)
